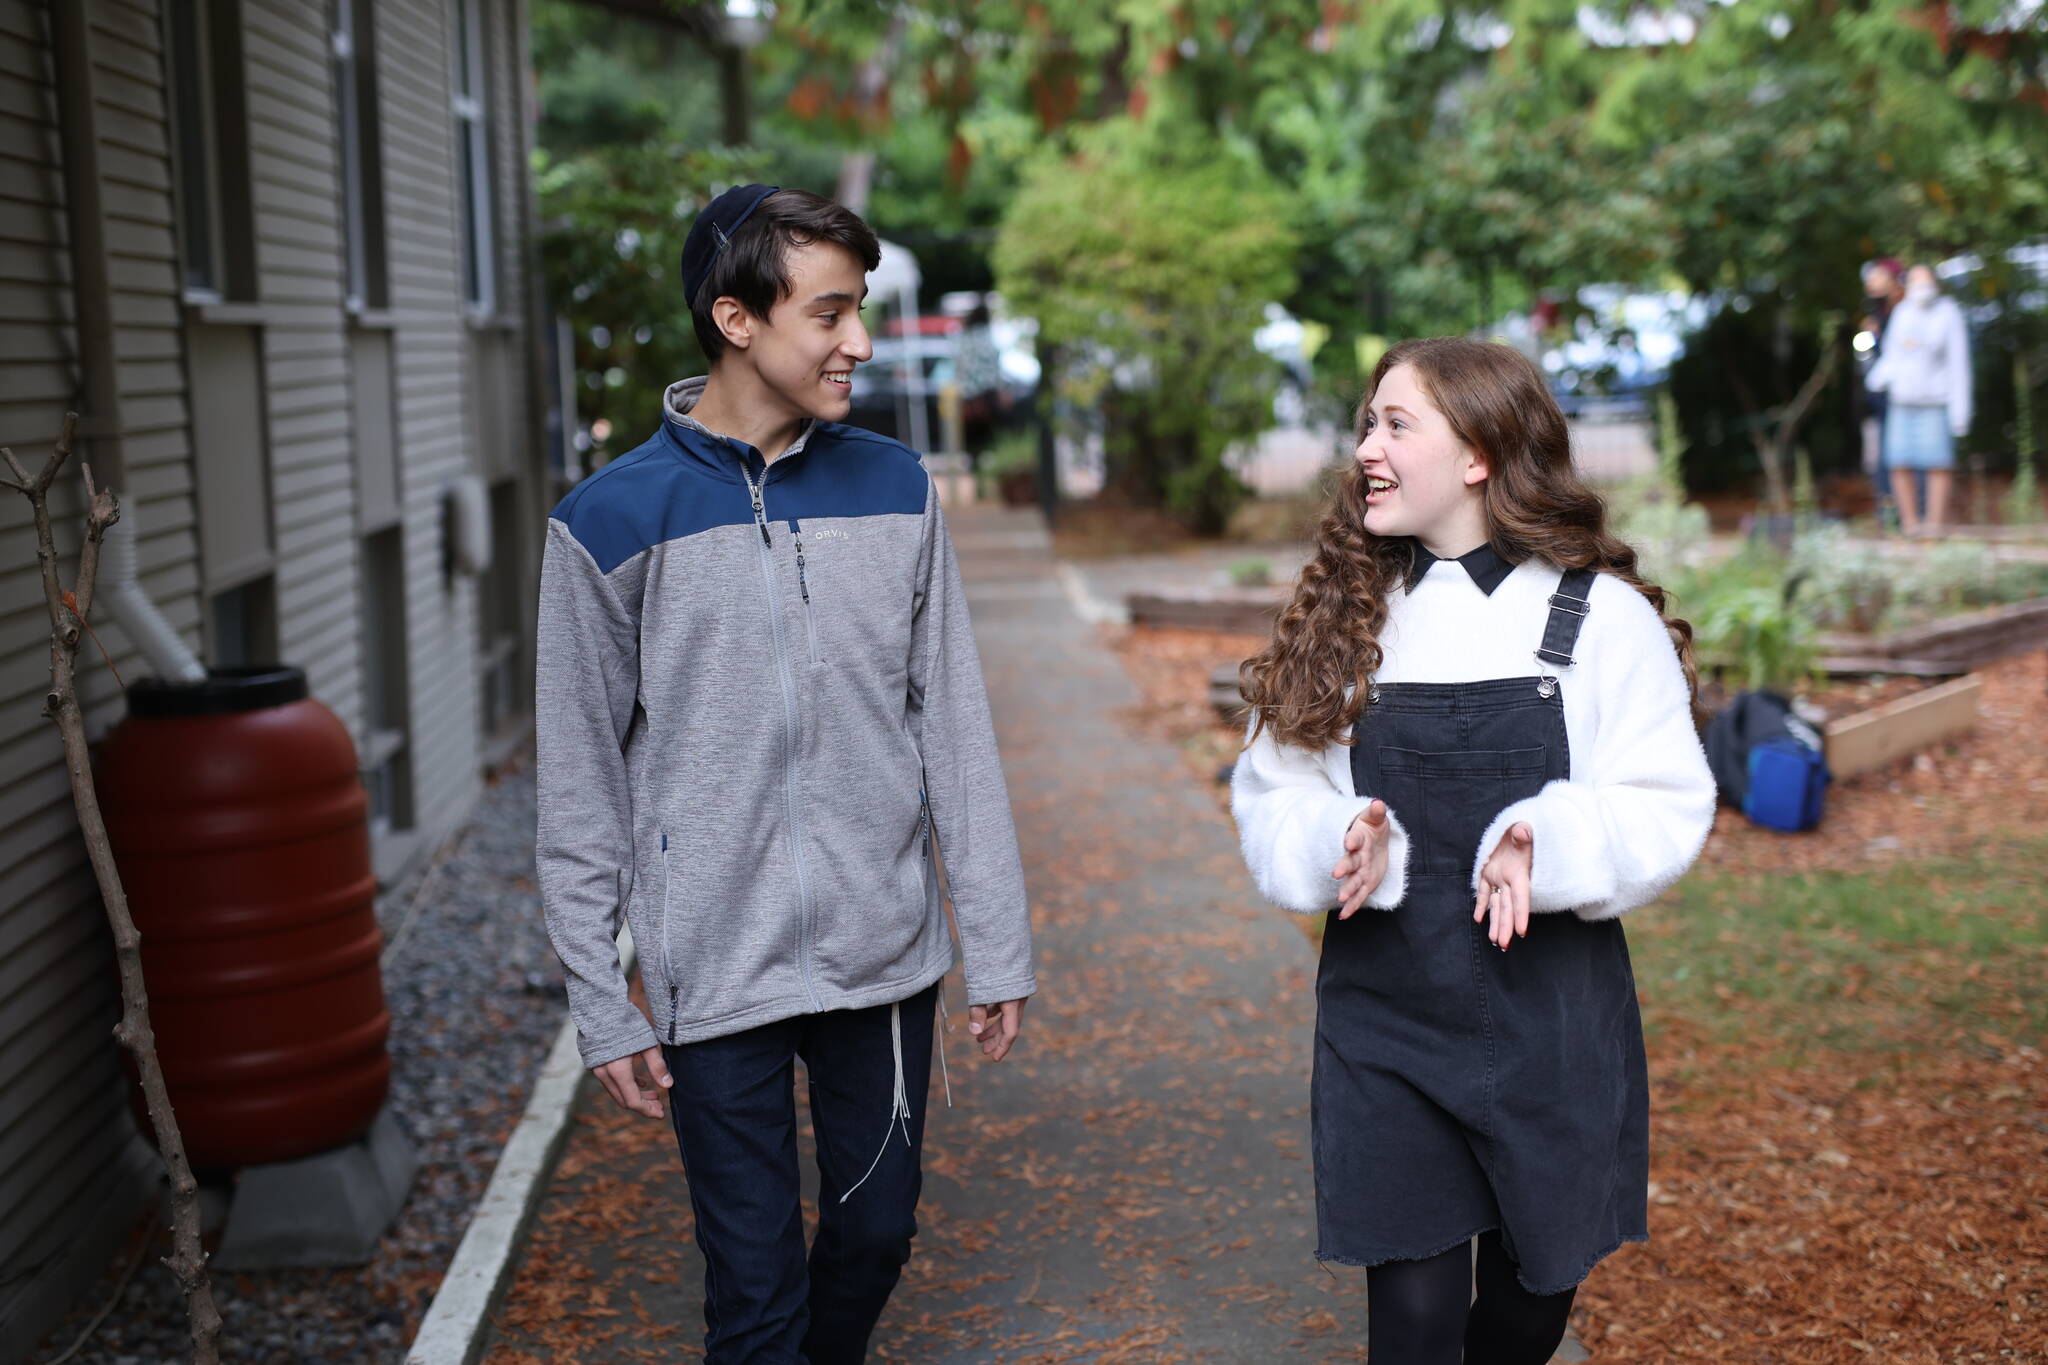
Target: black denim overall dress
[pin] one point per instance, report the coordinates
(1457, 1087)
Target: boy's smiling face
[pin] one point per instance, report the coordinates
(805, 351)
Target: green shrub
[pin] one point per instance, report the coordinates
(1148, 259)
(1013, 452)
(1746, 622)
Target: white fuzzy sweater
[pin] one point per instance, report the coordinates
(1624, 827)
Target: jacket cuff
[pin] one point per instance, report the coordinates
(629, 1041)
(994, 993)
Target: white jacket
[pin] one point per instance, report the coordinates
(1615, 835)
(1925, 359)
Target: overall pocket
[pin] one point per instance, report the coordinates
(1448, 799)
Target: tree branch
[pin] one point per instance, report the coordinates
(188, 1259)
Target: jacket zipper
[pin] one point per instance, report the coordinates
(924, 852)
(789, 733)
(667, 958)
(803, 586)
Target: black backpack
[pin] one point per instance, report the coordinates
(1758, 731)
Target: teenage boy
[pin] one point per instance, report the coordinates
(758, 702)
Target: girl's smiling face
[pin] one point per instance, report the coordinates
(1424, 479)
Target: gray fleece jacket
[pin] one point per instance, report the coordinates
(758, 697)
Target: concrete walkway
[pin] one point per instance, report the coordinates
(1133, 1184)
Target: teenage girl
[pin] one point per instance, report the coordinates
(1472, 743)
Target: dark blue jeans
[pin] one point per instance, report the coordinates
(734, 1113)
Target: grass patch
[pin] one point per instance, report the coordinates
(1914, 957)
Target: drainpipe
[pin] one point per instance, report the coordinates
(99, 397)
(123, 595)
(92, 310)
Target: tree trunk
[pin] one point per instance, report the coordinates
(734, 103)
(857, 168)
(68, 613)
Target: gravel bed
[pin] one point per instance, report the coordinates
(476, 999)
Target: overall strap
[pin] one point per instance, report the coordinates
(1568, 608)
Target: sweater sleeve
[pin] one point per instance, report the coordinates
(1956, 354)
(586, 682)
(1640, 802)
(1291, 820)
(968, 799)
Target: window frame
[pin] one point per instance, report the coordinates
(469, 99)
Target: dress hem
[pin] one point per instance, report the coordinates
(1334, 1259)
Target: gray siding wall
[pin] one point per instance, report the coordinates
(423, 235)
(63, 1122)
(69, 1157)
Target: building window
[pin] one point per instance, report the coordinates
(209, 139)
(362, 164)
(387, 754)
(502, 660)
(473, 149)
(244, 625)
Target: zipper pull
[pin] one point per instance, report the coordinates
(802, 585)
(671, 1015)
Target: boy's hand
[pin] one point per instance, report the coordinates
(997, 1034)
(1504, 886)
(1364, 864)
(625, 1087)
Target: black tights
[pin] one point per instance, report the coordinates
(1423, 1312)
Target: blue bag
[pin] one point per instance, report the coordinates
(1788, 780)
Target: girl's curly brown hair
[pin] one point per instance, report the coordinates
(1309, 683)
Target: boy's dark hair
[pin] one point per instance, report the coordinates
(754, 266)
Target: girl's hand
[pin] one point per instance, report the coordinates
(1364, 863)
(1504, 887)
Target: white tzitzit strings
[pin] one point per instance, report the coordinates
(899, 1112)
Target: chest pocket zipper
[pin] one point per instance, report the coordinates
(803, 587)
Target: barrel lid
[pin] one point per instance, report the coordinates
(225, 692)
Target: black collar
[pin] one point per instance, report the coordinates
(1487, 565)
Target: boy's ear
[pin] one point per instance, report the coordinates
(1479, 470)
(734, 321)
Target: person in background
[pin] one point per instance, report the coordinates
(1881, 293)
(1924, 373)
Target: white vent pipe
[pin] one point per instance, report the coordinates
(136, 613)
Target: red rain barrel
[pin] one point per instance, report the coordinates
(241, 830)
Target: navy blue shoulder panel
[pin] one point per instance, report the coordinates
(847, 472)
(656, 492)
(650, 494)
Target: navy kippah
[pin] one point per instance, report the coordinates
(713, 231)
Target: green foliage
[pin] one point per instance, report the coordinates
(1440, 165)
(1670, 448)
(1147, 259)
(2023, 499)
(613, 222)
(1251, 572)
(1667, 533)
(1014, 451)
(1753, 631)
(1852, 585)
(1904, 957)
